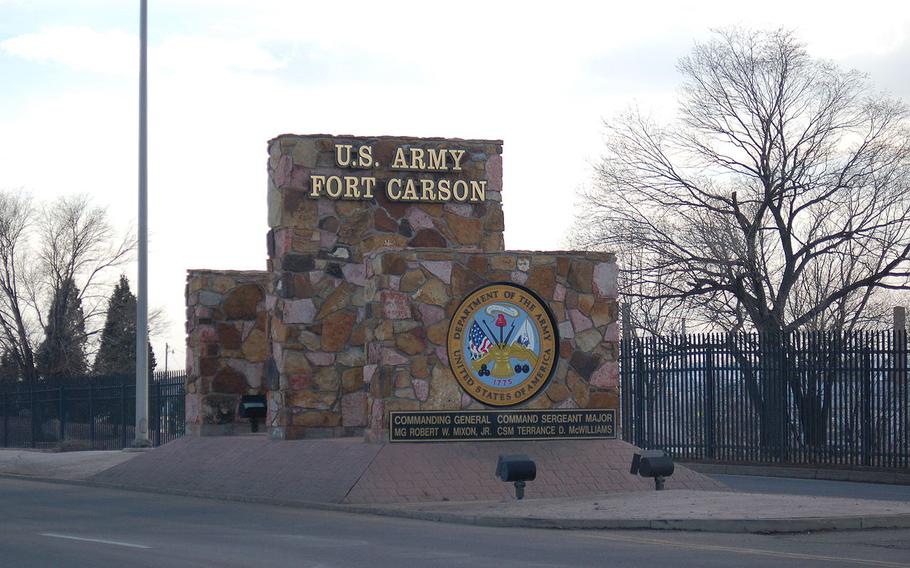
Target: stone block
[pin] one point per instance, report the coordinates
(354, 410)
(242, 303)
(336, 330)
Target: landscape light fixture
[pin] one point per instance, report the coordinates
(653, 463)
(252, 406)
(517, 469)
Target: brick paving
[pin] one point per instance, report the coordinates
(352, 471)
(252, 466)
(404, 473)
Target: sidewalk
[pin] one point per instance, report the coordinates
(678, 508)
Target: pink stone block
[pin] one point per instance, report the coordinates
(442, 355)
(421, 389)
(327, 239)
(431, 314)
(466, 401)
(283, 242)
(368, 372)
(300, 177)
(377, 415)
(325, 208)
(193, 409)
(580, 322)
(419, 219)
(354, 409)
(440, 269)
(320, 359)
(374, 352)
(605, 275)
(392, 357)
(606, 376)
(355, 274)
(612, 332)
(494, 172)
(559, 293)
(395, 305)
(299, 311)
(460, 209)
(207, 334)
(283, 171)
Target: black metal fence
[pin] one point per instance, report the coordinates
(798, 398)
(89, 413)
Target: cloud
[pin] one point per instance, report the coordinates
(115, 52)
(84, 49)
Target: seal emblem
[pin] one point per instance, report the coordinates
(502, 344)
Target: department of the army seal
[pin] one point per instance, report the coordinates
(503, 344)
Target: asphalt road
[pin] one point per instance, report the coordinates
(57, 525)
(815, 487)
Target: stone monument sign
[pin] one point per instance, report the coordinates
(389, 307)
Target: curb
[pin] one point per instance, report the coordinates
(827, 474)
(759, 526)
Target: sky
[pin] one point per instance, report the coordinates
(226, 76)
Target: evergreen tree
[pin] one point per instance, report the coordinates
(9, 370)
(117, 351)
(62, 353)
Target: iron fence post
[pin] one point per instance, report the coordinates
(639, 395)
(62, 409)
(709, 402)
(31, 400)
(5, 420)
(91, 414)
(157, 412)
(867, 407)
(122, 411)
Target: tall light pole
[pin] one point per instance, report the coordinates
(142, 367)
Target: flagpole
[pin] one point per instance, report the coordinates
(142, 378)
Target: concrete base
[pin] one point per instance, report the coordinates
(807, 472)
(348, 470)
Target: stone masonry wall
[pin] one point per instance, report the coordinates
(227, 346)
(414, 294)
(319, 269)
(349, 320)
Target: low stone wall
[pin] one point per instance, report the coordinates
(414, 294)
(227, 346)
(317, 351)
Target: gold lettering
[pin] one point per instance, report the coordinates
(437, 159)
(444, 189)
(333, 187)
(343, 154)
(410, 191)
(478, 190)
(461, 185)
(351, 191)
(368, 184)
(366, 156)
(417, 159)
(457, 155)
(317, 184)
(399, 162)
(393, 189)
(426, 187)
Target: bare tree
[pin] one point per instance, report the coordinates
(76, 246)
(17, 334)
(778, 200)
(781, 173)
